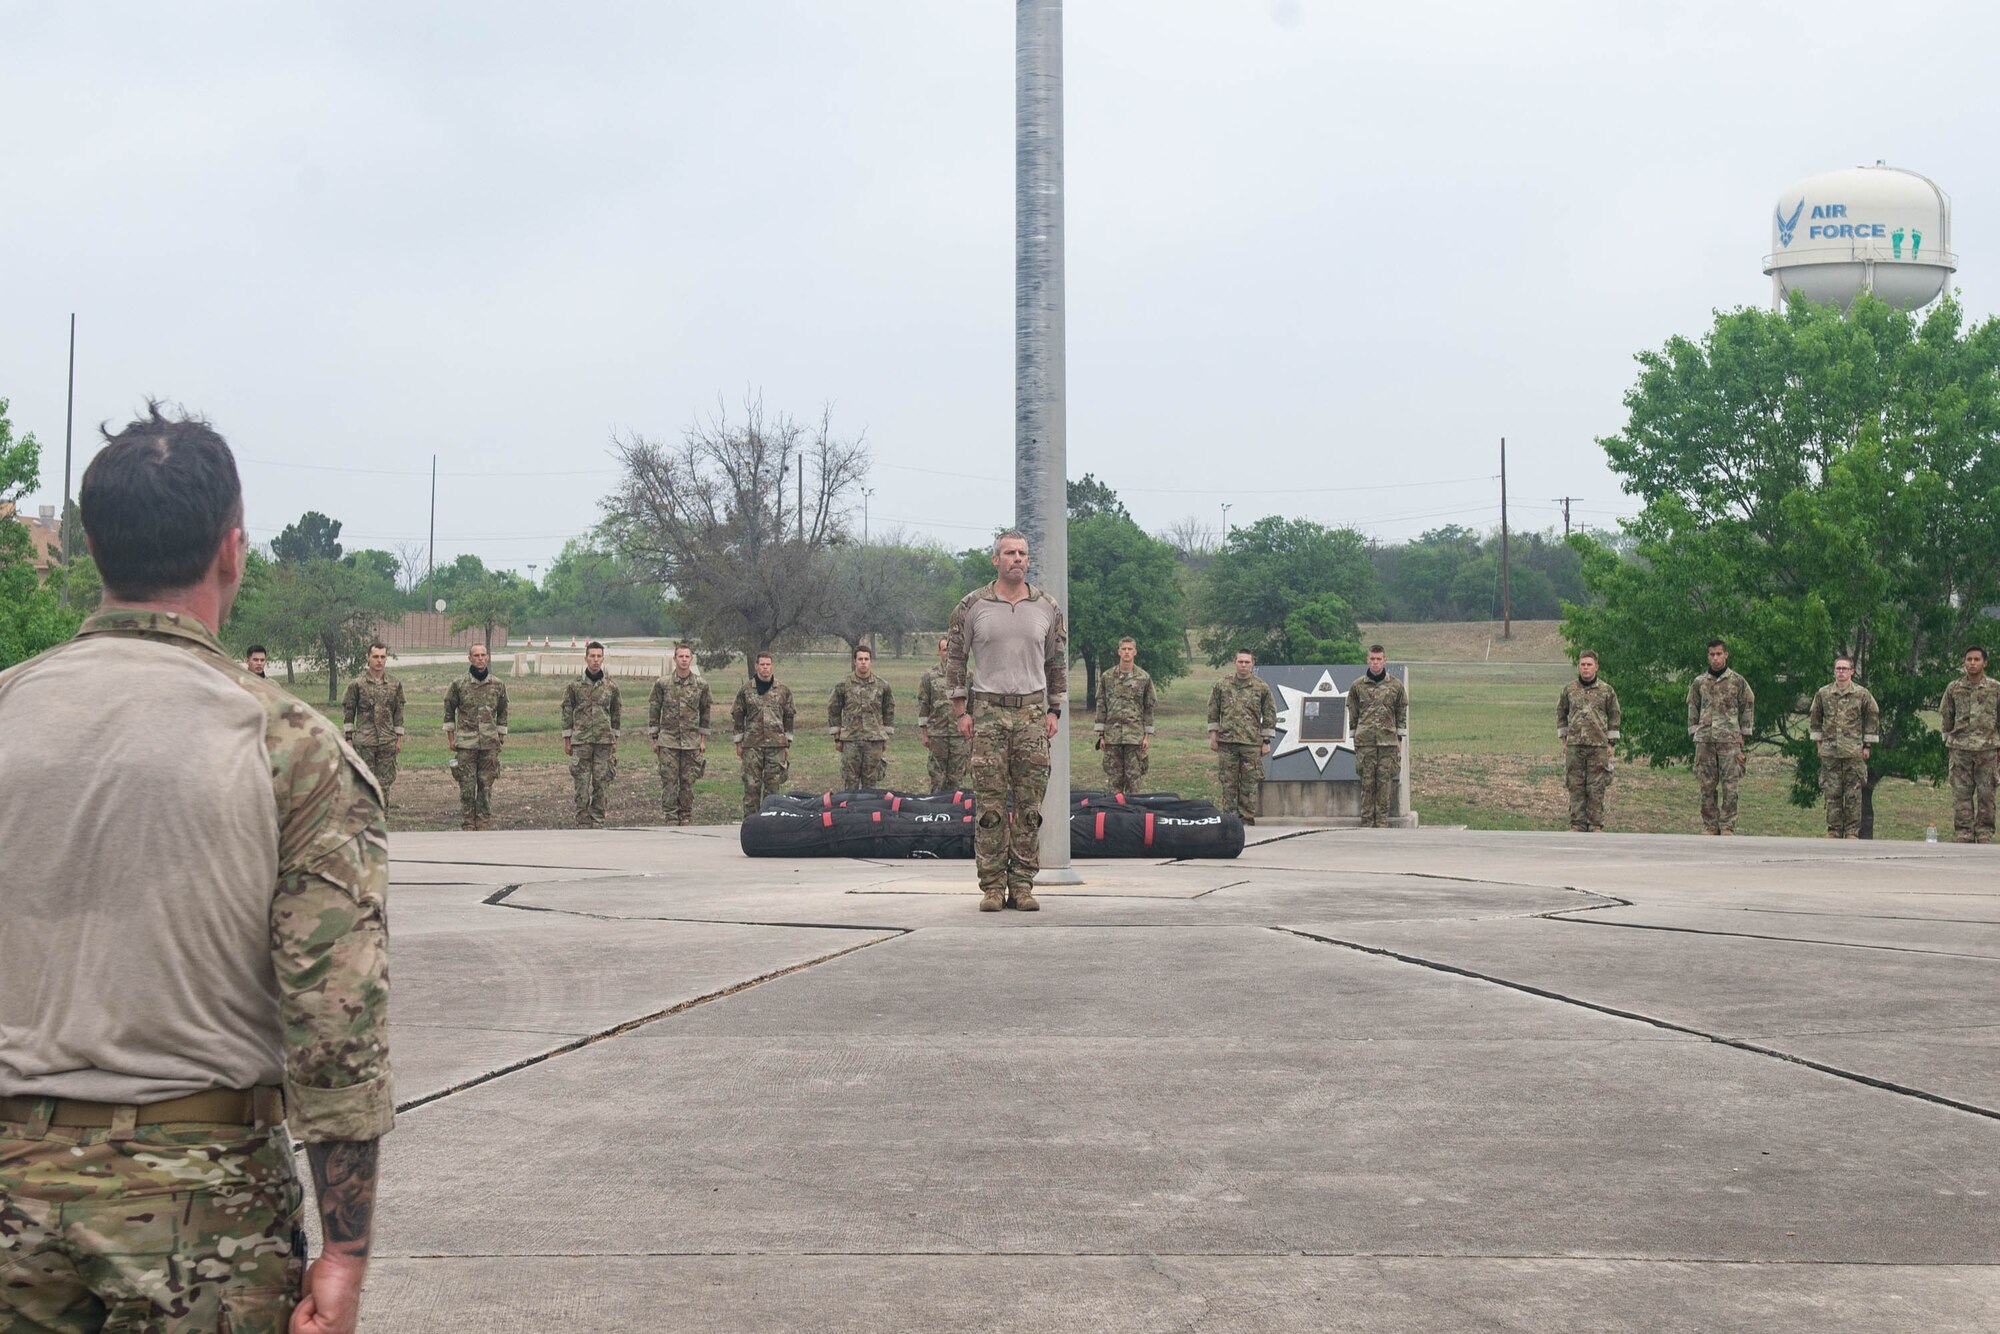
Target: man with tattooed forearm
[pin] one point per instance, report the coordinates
(195, 949)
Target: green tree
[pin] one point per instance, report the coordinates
(1324, 630)
(1271, 568)
(592, 591)
(1089, 497)
(313, 537)
(321, 611)
(1122, 582)
(1813, 485)
(379, 566)
(494, 603)
(32, 616)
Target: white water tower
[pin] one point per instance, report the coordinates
(1873, 229)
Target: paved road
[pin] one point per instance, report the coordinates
(1424, 1080)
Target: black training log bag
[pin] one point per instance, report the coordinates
(1164, 829)
(782, 829)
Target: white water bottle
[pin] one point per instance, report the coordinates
(1930, 833)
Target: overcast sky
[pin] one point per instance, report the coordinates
(1321, 256)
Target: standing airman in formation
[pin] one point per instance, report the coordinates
(475, 728)
(1125, 719)
(1587, 726)
(1242, 719)
(372, 717)
(677, 723)
(1721, 713)
(760, 723)
(1969, 717)
(861, 717)
(1378, 719)
(591, 718)
(254, 659)
(1845, 721)
(951, 754)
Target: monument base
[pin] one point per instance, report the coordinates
(1334, 803)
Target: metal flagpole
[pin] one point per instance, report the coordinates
(69, 423)
(1041, 500)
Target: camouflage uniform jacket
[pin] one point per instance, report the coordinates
(1242, 713)
(1125, 706)
(677, 712)
(861, 709)
(475, 712)
(762, 722)
(1587, 715)
(317, 937)
(1969, 717)
(934, 702)
(1378, 712)
(591, 714)
(372, 713)
(1844, 720)
(1721, 708)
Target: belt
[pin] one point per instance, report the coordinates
(1007, 701)
(232, 1107)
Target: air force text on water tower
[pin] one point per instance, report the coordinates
(1873, 229)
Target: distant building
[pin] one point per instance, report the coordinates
(44, 534)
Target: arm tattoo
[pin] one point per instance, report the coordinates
(343, 1173)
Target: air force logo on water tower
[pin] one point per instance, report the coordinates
(1786, 226)
(1313, 721)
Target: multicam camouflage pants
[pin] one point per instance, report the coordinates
(1124, 766)
(1010, 776)
(593, 765)
(951, 760)
(1237, 771)
(863, 764)
(1972, 782)
(678, 771)
(381, 761)
(171, 1231)
(1587, 775)
(1719, 766)
(765, 769)
(1380, 769)
(475, 771)
(1840, 783)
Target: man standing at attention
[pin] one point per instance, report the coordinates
(1721, 712)
(591, 717)
(861, 717)
(1125, 718)
(1969, 717)
(1378, 718)
(1242, 719)
(372, 717)
(1587, 726)
(677, 721)
(195, 951)
(1007, 671)
(475, 728)
(1845, 720)
(761, 721)
(951, 754)
(254, 659)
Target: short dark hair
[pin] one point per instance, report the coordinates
(765, 657)
(1377, 648)
(157, 501)
(256, 648)
(1590, 653)
(1717, 643)
(593, 644)
(864, 649)
(1842, 657)
(1980, 649)
(1244, 653)
(375, 644)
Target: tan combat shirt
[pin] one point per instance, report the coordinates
(1014, 648)
(194, 884)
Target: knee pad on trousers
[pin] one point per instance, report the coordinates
(989, 819)
(1032, 819)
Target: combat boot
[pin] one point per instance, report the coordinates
(1024, 900)
(1249, 819)
(992, 900)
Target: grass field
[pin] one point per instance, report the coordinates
(1482, 728)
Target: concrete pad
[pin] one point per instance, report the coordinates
(681, 1089)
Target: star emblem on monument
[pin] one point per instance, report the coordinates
(1297, 707)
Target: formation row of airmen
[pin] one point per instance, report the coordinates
(1844, 722)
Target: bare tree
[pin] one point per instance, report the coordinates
(1188, 535)
(413, 562)
(892, 586)
(737, 519)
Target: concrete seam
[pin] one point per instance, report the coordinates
(1855, 1076)
(1287, 1254)
(618, 1030)
(1752, 935)
(498, 899)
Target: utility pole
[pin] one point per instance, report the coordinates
(69, 424)
(1564, 502)
(430, 575)
(1041, 500)
(1225, 521)
(1506, 576)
